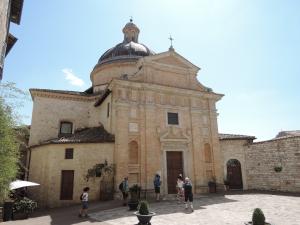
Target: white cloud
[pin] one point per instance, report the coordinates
(72, 78)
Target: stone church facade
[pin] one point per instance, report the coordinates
(145, 113)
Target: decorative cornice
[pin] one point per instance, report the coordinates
(138, 85)
(63, 96)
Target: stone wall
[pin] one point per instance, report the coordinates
(235, 149)
(48, 112)
(4, 23)
(263, 157)
(48, 161)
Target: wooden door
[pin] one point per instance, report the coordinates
(67, 184)
(174, 168)
(234, 174)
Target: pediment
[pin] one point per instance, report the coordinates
(173, 59)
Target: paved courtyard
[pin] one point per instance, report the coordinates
(232, 209)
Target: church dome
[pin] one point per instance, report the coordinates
(130, 48)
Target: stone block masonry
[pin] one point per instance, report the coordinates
(263, 158)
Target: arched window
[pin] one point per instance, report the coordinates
(207, 153)
(133, 153)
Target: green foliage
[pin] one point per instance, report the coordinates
(9, 153)
(143, 208)
(10, 99)
(258, 217)
(99, 169)
(13, 99)
(25, 205)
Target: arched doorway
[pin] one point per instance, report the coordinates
(234, 174)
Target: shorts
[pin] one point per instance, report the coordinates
(85, 205)
(157, 190)
(188, 197)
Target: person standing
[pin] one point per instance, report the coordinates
(124, 188)
(157, 183)
(188, 193)
(84, 197)
(180, 190)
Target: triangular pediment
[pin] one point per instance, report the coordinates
(171, 58)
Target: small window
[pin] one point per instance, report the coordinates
(173, 118)
(69, 153)
(66, 128)
(108, 105)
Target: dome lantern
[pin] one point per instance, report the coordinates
(131, 32)
(128, 50)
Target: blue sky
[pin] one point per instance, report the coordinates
(247, 50)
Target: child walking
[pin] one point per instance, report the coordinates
(84, 197)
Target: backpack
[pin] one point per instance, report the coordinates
(156, 182)
(81, 197)
(121, 186)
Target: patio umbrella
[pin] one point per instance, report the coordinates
(21, 183)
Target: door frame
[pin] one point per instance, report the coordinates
(240, 170)
(182, 166)
(164, 174)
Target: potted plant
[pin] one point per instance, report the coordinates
(23, 207)
(143, 214)
(212, 185)
(258, 218)
(134, 197)
(226, 184)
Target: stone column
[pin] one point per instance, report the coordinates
(215, 147)
(196, 151)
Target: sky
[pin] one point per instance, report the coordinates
(247, 50)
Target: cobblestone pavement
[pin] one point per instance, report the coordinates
(233, 209)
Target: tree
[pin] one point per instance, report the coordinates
(10, 98)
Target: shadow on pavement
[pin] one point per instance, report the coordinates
(161, 208)
(110, 210)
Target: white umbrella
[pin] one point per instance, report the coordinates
(21, 183)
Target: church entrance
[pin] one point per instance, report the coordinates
(174, 168)
(234, 174)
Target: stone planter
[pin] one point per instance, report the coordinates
(20, 215)
(144, 219)
(133, 205)
(8, 210)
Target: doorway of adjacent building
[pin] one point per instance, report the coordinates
(174, 168)
(67, 184)
(234, 174)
